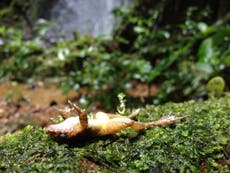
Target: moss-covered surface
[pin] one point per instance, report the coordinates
(200, 143)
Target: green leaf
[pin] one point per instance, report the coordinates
(206, 50)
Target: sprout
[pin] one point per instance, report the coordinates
(121, 107)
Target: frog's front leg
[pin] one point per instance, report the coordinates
(71, 126)
(74, 110)
(82, 115)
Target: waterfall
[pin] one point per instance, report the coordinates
(85, 16)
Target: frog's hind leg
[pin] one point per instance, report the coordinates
(166, 120)
(112, 126)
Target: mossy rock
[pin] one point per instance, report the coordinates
(199, 143)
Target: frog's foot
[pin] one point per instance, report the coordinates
(134, 114)
(72, 111)
(66, 112)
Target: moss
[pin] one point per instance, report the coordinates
(197, 144)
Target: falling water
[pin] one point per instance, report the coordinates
(85, 16)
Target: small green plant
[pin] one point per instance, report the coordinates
(215, 87)
(121, 108)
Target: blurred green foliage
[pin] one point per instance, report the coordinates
(81, 62)
(184, 55)
(179, 57)
(19, 13)
(199, 143)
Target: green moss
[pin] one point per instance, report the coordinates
(32, 150)
(201, 142)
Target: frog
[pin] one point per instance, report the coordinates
(78, 124)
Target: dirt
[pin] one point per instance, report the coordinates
(14, 116)
(37, 94)
(23, 104)
(141, 90)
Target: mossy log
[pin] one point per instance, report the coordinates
(199, 143)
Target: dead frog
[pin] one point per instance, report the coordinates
(102, 124)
